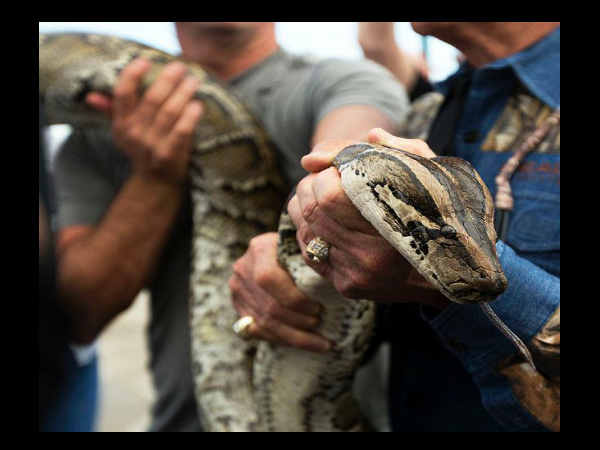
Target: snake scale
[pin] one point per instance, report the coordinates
(437, 213)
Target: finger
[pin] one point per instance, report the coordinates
(254, 330)
(270, 329)
(311, 212)
(298, 338)
(99, 102)
(327, 219)
(334, 203)
(268, 308)
(182, 132)
(159, 91)
(416, 146)
(323, 268)
(125, 92)
(278, 284)
(323, 154)
(173, 107)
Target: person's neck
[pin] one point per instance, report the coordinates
(227, 63)
(484, 43)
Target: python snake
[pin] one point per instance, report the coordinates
(436, 212)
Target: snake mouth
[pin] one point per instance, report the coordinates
(480, 291)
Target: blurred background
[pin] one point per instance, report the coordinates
(126, 390)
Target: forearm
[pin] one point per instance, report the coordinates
(100, 273)
(378, 43)
(351, 122)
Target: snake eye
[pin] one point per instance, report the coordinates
(448, 232)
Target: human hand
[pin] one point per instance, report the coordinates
(261, 288)
(361, 263)
(155, 131)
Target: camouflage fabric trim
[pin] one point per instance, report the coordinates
(521, 116)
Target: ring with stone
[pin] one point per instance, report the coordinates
(317, 250)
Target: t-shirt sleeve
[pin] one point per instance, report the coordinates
(83, 189)
(305, 92)
(335, 83)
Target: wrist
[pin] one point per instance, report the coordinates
(158, 183)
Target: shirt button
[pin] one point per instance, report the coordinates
(471, 136)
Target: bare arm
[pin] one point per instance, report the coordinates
(378, 43)
(350, 122)
(102, 268)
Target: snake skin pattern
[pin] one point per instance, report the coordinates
(437, 213)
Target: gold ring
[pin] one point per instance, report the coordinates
(317, 250)
(241, 327)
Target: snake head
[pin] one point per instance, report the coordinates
(436, 212)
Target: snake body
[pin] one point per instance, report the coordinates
(437, 213)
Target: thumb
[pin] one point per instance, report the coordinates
(416, 146)
(99, 102)
(323, 154)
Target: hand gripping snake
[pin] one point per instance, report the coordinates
(436, 212)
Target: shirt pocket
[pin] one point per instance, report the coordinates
(534, 229)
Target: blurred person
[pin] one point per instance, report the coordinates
(124, 213)
(67, 387)
(451, 368)
(378, 43)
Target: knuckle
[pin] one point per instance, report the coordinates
(162, 157)
(303, 233)
(256, 243)
(369, 265)
(330, 195)
(233, 285)
(183, 129)
(167, 113)
(347, 288)
(134, 134)
(152, 99)
(271, 309)
(309, 211)
(263, 278)
(360, 280)
(238, 267)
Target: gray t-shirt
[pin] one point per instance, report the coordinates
(290, 95)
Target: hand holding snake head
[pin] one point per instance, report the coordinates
(434, 212)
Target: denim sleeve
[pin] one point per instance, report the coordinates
(530, 301)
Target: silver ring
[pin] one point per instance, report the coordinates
(241, 327)
(318, 250)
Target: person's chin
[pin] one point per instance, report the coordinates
(430, 28)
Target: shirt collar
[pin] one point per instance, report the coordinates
(538, 68)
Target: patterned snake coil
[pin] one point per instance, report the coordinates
(437, 213)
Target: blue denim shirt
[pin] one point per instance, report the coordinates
(530, 254)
